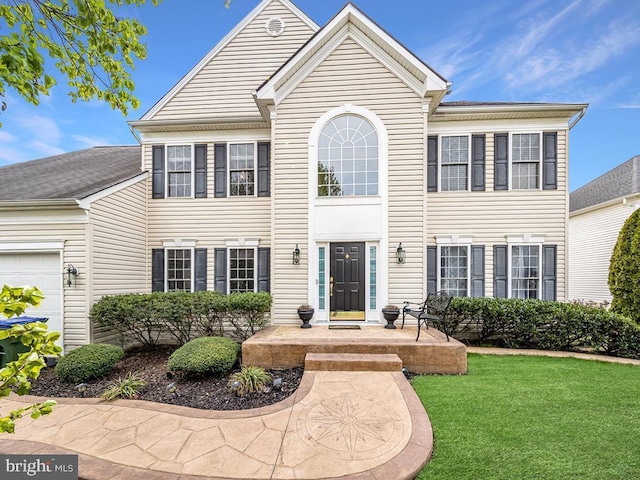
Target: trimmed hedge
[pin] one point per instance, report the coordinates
(516, 323)
(88, 362)
(205, 355)
(183, 316)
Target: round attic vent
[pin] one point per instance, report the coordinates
(274, 26)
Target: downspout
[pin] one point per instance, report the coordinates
(580, 115)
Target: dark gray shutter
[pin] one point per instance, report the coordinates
(201, 270)
(201, 171)
(501, 161)
(264, 269)
(432, 269)
(157, 177)
(477, 163)
(264, 152)
(157, 270)
(477, 270)
(432, 164)
(220, 167)
(549, 272)
(550, 161)
(220, 279)
(500, 273)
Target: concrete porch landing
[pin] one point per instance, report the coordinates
(286, 346)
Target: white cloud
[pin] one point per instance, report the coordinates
(6, 137)
(45, 149)
(84, 141)
(40, 129)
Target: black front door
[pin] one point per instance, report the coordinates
(347, 277)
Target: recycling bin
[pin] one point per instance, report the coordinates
(12, 347)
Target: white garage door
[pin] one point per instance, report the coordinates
(43, 271)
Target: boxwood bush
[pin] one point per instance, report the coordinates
(205, 355)
(88, 362)
(516, 323)
(147, 319)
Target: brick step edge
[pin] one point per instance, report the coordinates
(353, 362)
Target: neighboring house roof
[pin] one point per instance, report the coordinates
(73, 175)
(622, 181)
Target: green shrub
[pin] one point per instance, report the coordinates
(88, 362)
(127, 387)
(249, 380)
(624, 270)
(204, 355)
(516, 323)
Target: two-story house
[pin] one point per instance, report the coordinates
(323, 165)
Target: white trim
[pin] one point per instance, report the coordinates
(21, 247)
(439, 263)
(222, 44)
(255, 263)
(525, 238)
(440, 164)
(509, 265)
(242, 242)
(184, 246)
(272, 33)
(178, 243)
(540, 164)
(167, 172)
(207, 136)
(255, 168)
(454, 239)
(86, 202)
(488, 126)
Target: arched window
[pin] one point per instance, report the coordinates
(347, 158)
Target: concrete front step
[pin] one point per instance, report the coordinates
(353, 362)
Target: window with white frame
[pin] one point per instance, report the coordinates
(525, 271)
(348, 158)
(455, 163)
(242, 270)
(525, 161)
(179, 270)
(454, 269)
(179, 170)
(242, 168)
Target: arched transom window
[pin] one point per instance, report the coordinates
(348, 158)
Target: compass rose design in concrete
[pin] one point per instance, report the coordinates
(350, 426)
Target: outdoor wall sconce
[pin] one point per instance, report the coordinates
(71, 271)
(400, 253)
(296, 255)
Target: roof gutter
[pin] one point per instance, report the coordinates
(580, 115)
(12, 204)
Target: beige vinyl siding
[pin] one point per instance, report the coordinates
(74, 314)
(349, 75)
(118, 254)
(592, 238)
(223, 87)
(491, 215)
(209, 221)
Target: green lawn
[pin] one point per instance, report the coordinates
(534, 418)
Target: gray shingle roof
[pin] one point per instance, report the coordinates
(619, 182)
(73, 175)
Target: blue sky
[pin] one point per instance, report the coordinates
(492, 50)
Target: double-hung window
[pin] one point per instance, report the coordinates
(242, 270)
(455, 163)
(179, 170)
(454, 270)
(525, 271)
(242, 169)
(525, 161)
(179, 270)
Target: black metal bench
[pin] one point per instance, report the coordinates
(433, 309)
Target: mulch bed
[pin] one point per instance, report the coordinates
(206, 392)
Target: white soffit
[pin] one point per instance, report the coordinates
(351, 23)
(222, 44)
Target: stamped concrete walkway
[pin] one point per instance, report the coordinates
(360, 425)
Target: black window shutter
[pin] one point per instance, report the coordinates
(220, 167)
(432, 164)
(201, 270)
(500, 273)
(264, 153)
(201, 171)
(432, 269)
(157, 270)
(477, 270)
(477, 163)
(157, 177)
(549, 272)
(550, 161)
(264, 272)
(220, 279)
(501, 162)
